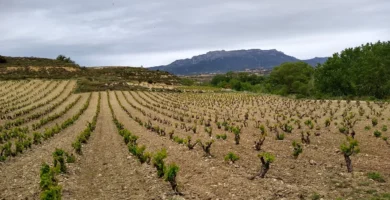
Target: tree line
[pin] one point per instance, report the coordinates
(362, 71)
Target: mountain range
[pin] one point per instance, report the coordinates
(236, 60)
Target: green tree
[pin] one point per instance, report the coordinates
(2, 59)
(359, 71)
(292, 78)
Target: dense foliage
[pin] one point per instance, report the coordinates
(238, 81)
(2, 59)
(356, 72)
(65, 59)
(291, 78)
(359, 71)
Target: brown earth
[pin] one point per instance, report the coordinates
(107, 170)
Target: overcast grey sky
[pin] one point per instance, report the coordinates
(156, 32)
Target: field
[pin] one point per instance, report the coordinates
(116, 137)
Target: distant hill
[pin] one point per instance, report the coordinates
(237, 60)
(14, 68)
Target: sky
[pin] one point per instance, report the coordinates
(156, 32)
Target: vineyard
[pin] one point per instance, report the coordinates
(56, 143)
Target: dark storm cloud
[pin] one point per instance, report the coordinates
(114, 32)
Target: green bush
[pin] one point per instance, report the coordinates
(297, 149)
(376, 176)
(59, 160)
(47, 176)
(158, 161)
(377, 133)
(170, 176)
(231, 157)
(374, 121)
(279, 136)
(349, 148)
(221, 136)
(53, 193)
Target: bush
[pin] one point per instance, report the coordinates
(374, 121)
(297, 149)
(266, 159)
(170, 176)
(53, 193)
(47, 176)
(377, 134)
(59, 160)
(279, 136)
(376, 176)
(231, 157)
(158, 162)
(384, 128)
(349, 148)
(221, 136)
(206, 147)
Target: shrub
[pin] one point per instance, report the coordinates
(259, 142)
(138, 151)
(376, 176)
(297, 149)
(231, 157)
(209, 130)
(315, 196)
(77, 147)
(367, 128)
(170, 176)
(37, 137)
(49, 184)
(221, 136)
(70, 158)
(206, 147)
(158, 162)
(237, 132)
(279, 136)
(349, 148)
(377, 134)
(374, 121)
(59, 160)
(189, 145)
(327, 122)
(19, 147)
(384, 128)
(266, 159)
(343, 129)
(53, 193)
(47, 176)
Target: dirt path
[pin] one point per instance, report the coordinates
(107, 171)
(19, 177)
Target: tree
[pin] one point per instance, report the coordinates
(359, 71)
(2, 59)
(65, 59)
(292, 78)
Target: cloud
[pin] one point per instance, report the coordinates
(148, 33)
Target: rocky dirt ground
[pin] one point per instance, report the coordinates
(106, 169)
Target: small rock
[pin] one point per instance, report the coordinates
(312, 162)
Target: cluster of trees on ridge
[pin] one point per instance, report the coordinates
(362, 71)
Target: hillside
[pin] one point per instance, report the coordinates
(237, 60)
(89, 78)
